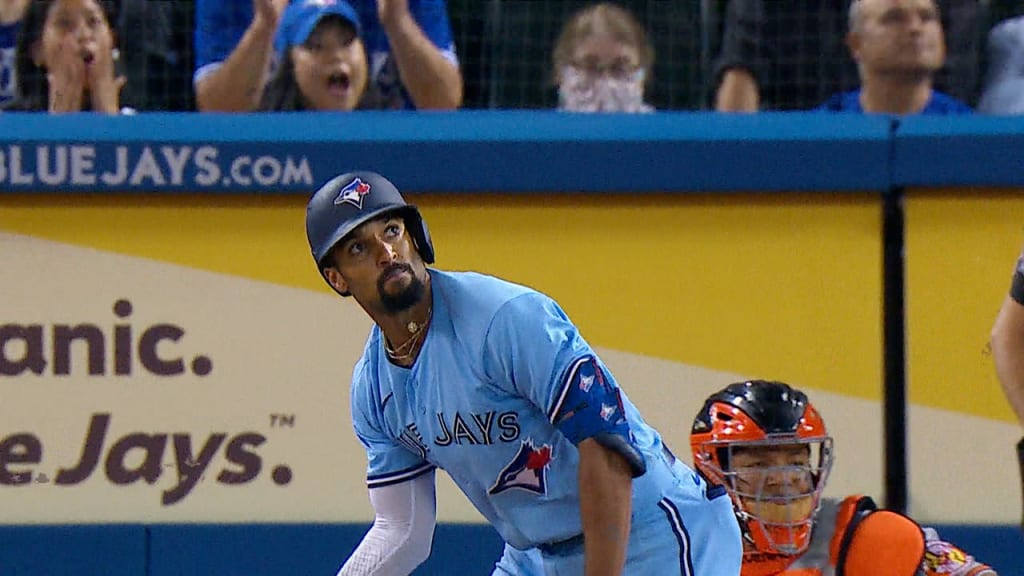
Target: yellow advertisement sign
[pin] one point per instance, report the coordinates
(178, 358)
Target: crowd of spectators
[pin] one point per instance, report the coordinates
(864, 56)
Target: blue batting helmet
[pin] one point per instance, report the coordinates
(347, 201)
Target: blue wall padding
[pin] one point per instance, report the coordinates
(313, 549)
(73, 550)
(308, 549)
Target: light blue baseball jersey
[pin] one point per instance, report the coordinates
(487, 401)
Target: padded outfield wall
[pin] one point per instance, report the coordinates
(173, 369)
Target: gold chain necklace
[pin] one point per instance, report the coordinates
(417, 331)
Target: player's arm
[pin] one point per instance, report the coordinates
(590, 413)
(402, 531)
(606, 488)
(1008, 349)
(429, 73)
(236, 84)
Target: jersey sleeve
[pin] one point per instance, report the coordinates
(219, 27)
(390, 460)
(943, 558)
(533, 345)
(432, 16)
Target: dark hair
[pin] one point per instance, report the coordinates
(282, 93)
(33, 87)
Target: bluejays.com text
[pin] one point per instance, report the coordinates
(152, 166)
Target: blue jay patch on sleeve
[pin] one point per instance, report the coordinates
(589, 403)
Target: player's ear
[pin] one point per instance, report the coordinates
(335, 279)
(881, 538)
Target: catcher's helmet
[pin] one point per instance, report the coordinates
(764, 414)
(347, 201)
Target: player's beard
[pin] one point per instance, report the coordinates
(404, 299)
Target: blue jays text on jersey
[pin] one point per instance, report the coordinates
(502, 390)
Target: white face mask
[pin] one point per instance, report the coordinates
(580, 92)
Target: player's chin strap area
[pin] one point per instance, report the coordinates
(1020, 460)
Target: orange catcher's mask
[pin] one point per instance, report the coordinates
(767, 445)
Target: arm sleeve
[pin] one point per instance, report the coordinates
(219, 27)
(963, 22)
(432, 16)
(402, 531)
(742, 39)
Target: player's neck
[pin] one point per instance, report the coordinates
(406, 331)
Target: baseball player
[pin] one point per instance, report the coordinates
(767, 445)
(491, 382)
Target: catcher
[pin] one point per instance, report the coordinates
(766, 445)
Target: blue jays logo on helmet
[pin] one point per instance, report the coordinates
(526, 471)
(353, 193)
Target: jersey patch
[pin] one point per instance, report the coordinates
(589, 404)
(527, 471)
(944, 558)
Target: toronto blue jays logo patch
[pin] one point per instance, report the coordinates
(527, 471)
(353, 193)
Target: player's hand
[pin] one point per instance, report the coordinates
(66, 76)
(392, 10)
(268, 12)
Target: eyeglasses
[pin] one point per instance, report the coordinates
(619, 70)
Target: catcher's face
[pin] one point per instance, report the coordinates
(776, 489)
(775, 471)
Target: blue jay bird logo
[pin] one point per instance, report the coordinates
(526, 471)
(353, 193)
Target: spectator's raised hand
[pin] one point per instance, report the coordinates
(391, 10)
(104, 83)
(66, 75)
(268, 12)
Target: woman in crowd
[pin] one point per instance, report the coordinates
(602, 61)
(66, 59)
(322, 62)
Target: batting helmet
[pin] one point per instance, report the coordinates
(764, 414)
(347, 201)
